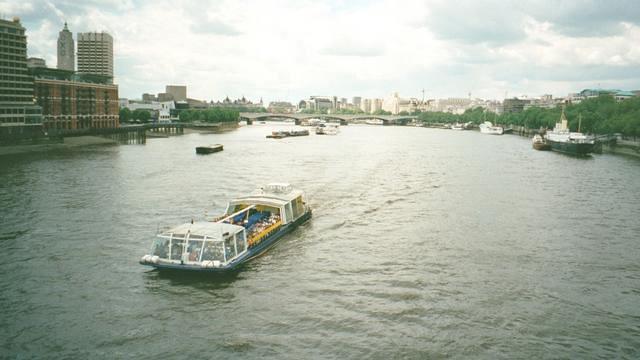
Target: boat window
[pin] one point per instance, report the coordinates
(229, 248)
(177, 247)
(212, 251)
(161, 247)
(240, 241)
(194, 248)
(298, 207)
(289, 215)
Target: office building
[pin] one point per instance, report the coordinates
(36, 62)
(179, 92)
(73, 101)
(66, 50)
(19, 116)
(95, 54)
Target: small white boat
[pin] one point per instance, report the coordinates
(539, 143)
(374, 122)
(457, 126)
(327, 129)
(488, 128)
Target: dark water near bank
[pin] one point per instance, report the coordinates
(425, 243)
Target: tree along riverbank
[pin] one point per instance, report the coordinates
(601, 115)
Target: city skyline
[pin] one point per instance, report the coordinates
(368, 49)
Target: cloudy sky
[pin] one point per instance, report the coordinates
(289, 50)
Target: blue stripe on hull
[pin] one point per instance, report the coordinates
(252, 253)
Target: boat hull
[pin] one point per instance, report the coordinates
(571, 148)
(541, 146)
(203, 150)
(252, 253)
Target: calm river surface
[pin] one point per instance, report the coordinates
(424, 243)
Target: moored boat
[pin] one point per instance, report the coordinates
(563, 140)
(327, 129)
(250, 226)
(299, 133)
(488, 128)
(539, 143)
(374, 122)
(209, 149)
(457, 126)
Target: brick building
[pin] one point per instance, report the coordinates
(75, 101)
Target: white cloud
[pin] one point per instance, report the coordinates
(285, 49)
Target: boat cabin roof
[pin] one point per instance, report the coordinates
(209, 229)
(275, 194)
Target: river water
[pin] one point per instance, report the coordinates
(424, 243)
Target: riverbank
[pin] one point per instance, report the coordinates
(623, 147)
(68, 143)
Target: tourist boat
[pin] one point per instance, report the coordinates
(250, 226)
(327, 129)
(539, 143)
(284, 134)
(278, 135)
(299, 133)
(563, 140)
(488, 128)
(208, 149)
(312, 122)
(374, 122)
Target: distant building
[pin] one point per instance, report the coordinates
(66, 50)
(238, 103)
(376, 104)
(149, 97)
(165, 97)
(179, 92)
(20, 117)
(365, 105)
(72, 100)
(95, 54)
(36, 62)
(514, 105)
(160, 111)
(356, 101)
(281, 107)
(619, 95)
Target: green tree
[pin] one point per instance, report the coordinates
(125, 115)
(141, 115)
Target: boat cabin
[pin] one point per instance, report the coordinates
(265, 210)
(204, 244)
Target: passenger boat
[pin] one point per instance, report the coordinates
(278, 135)
(250, 226)
(209, 149)
(539, 143)
(299, 133)
(374, 122)
(284, 134)
(488, 128)
(327, 129)
(563, 140)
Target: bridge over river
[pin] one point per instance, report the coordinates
(343, 119)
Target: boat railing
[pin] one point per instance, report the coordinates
(255, 240)
(226, 217)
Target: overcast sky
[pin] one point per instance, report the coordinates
(289, 50)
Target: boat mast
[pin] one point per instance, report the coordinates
(579, 121)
